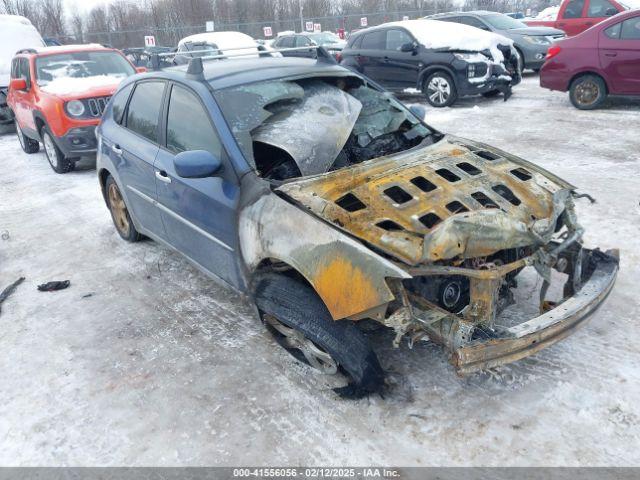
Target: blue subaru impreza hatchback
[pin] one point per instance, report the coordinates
(329, 204)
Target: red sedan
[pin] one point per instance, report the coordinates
(603, 60)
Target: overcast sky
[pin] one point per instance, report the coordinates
(84, 5)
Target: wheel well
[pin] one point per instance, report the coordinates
(40, 123)
(583, 74)
(102, 176)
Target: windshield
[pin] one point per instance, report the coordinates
(325, 38)
(503, 22)
(288, 129)
(630, 4)
(81, 65)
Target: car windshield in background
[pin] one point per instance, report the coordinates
(289, 129)
(504, 22)
(81, 65)
(325, 38)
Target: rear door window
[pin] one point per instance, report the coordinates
(302, 41)
(286, 42)
(144, 109)
(631, 29)
(574, 9)
(120, 103)
(374, 40)
(396, 39)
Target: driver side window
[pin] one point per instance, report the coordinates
(396, 39)
(574, 9)
(600, 8)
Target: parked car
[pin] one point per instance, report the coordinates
(325, 201)
(575, 16)
(530, 42)
(329, 40)
(141, 56)
(15, 33)
(443, 60)
(604, 60)
(214, 43)
(58, 94)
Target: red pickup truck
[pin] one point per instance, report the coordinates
(575, 16)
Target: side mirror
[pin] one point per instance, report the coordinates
(141, 69)
(408, 47)
(18, 84)
(196, 164)
(419, 111)
(611, 12)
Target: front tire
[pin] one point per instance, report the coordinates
(588, 92)
(440, 90)
(301, 323)
(59, 163)
(28, 145)
(120, 213)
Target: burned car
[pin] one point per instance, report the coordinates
(328, 203)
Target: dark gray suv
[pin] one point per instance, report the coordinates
(531, 43)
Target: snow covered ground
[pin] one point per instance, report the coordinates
(160, 366)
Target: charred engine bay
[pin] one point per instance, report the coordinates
(314, 126)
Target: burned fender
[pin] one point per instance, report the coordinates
(348, 277)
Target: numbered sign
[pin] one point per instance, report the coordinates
(317, 28)
(364, 22)
(405, 17)
(149, 41)
(267, 31)
(209, 26)
(308, 26)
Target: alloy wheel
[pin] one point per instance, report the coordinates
(20, 136)
(118, 209)
(293, 340)
(50, 150)
(587, 93)
(439, 90)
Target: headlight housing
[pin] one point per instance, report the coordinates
(536, 40)
(471, 57)
(75, 108)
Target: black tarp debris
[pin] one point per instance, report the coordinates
(9, 290)
(53, 286)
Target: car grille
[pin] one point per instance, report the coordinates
(97, 105)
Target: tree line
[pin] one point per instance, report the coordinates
(124, 23)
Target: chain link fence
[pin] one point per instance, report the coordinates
(171, 36)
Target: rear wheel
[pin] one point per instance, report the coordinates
(28, 145)
(56, 158)
(119, 212)
(301, 323)
(588, 92)
(440, 90)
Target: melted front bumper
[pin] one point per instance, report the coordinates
(527, 338)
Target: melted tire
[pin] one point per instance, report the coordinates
(297, 306)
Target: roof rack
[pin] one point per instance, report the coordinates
(323, 56)
(26, 50)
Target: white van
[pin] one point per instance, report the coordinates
(16, 33)
(215, 43)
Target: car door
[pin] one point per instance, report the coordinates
(399, 69)
(619, 51)
(286, 42)
(571, 18)
(304, 41)
(24, 99)
(132, 146)
(199, 214)
(371, 55)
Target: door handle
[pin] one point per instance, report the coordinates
(162, 176)
(610, 54)
(116, 149)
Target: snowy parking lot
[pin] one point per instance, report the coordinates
(145, 361)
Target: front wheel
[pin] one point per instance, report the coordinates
(302, 325)
(440, 90)
(588, 92)
(56, 158)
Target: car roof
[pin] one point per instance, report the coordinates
(228, 73)
(479, 13)
(90, 47)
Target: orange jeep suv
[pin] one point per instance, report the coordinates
(58, 94)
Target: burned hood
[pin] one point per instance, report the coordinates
(452, 199)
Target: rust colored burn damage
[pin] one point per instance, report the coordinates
(443, 202)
